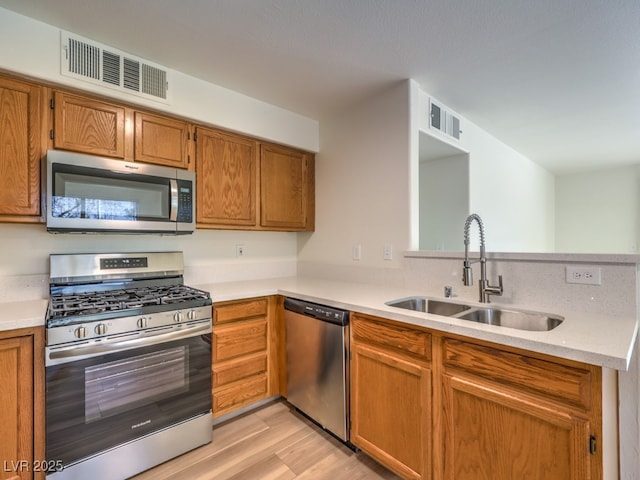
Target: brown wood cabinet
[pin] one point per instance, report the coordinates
(244, 184)
(161, 140)
(430, 405)
(21, 130)
(391, 395)
(244, 349)
(227, 176)
(22, 400)
(88, 125)
(287, 186)
(508, 415)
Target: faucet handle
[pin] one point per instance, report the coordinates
(497, 290)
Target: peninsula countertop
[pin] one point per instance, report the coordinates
(602, 340)
(606, 341)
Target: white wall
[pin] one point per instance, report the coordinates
(209, 255)
(362, 178)
(444, 202)
(513, 195)
(33, 48)
(597, 211)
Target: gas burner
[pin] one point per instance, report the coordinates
(67, 309)
(89, 288)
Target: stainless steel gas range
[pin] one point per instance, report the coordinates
(128, 364)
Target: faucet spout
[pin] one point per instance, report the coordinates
(467, 273)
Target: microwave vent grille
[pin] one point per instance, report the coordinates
(105, 66)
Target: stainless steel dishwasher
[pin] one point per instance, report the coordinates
(318, 363)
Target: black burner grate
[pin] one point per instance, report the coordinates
(103, 302)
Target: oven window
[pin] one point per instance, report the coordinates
(114, 387)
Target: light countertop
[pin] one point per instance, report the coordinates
(605, 341)
(23, 314)
(595, 339)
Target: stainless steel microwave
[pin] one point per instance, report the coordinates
(88, 194)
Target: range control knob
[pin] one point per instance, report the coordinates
(178, 317)
(80, 332)
(142, 322)
(192, 315)
(101, 329)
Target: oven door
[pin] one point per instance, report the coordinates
(105, 400)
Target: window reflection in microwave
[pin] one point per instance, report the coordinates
(115, 387)
(70, 207)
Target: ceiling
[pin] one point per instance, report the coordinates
(557, 80)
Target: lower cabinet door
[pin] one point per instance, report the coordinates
(17, 408)
(495, 434)
(390, 410)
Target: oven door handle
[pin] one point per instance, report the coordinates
(74, 352)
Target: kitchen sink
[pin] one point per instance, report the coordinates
(537, 322)
(428, 305)
(517, 319)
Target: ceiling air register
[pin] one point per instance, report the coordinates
(108, 67)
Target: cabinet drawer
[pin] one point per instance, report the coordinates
(403, 339)
(239, 369)
(551, 379)
(236, 340)
(232, 311)
(229, 398)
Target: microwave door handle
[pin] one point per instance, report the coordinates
(173, 214)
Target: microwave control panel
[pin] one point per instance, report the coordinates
(185, 201)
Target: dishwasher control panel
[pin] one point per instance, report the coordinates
(321, 312)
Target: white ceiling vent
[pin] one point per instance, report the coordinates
(441, 118)
(102, 65)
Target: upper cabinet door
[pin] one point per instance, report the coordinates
(287, 188)
(226, 175)
(161, 140)
(20, 137)
(88, 126)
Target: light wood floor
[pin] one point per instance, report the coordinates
(272, 443)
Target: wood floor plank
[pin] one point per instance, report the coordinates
(242, 454)
(273, 442)
(310, 450)
(239, 429)
(271, 468)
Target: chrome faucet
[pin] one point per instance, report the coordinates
(486, 290)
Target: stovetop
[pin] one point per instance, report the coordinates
(88, 305)
(96, 298)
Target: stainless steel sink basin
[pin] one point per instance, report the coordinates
(519, 320)
(501, 317)
(428, 305)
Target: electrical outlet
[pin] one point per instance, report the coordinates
(356, 253)
(584, 275)
(239, 251)
(387, 253)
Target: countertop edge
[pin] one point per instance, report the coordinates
(587, 346)
(576, 339)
